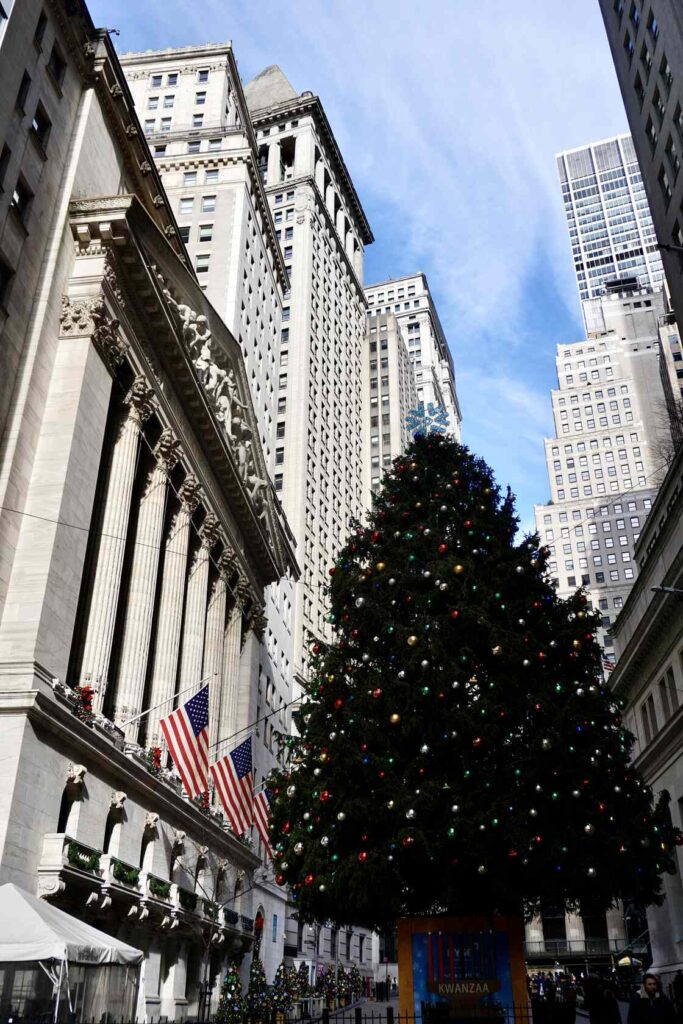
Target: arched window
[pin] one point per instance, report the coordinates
(112, 820)
(65, 809)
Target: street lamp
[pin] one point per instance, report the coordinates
(668, 590)
(667, 247)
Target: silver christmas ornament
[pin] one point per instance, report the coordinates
(589, 829)
(424, 749)
(291, 790)
(298, 848)
(519, 569)
(591, 872)
(391, 582)
(390, 804)
(341, 816)
(306, 815)
(533, 813)
(360, 601)
(410, 814)
(455, 808)
(324, 840)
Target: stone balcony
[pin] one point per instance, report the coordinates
(105, 883)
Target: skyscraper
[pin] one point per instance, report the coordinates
(610, 226)
(323, 231)
(389, 394)
(646, 40)
(410, 301)
(604, 462)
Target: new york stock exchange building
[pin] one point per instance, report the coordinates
(138, 526)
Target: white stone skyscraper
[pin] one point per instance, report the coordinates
(410, 301)
(323, 231)
(605, 460)
(610, 226)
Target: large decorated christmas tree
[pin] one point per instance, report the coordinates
(458, 748)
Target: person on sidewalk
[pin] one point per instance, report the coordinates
(651, 1006)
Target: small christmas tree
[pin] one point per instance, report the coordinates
(292, 982)
(281, 993)
(303, 980)
(343, 984)
(329, 983)
(231, 1004)
(258, 1002)
(356, 982)
(458, 750)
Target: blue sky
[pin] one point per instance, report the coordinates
(449, 114)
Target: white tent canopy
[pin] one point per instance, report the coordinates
(35, 930)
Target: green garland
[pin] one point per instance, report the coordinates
(125, 874)
(80, 857)
(188, 900)
(159, 888)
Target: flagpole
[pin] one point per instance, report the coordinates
(161, 703)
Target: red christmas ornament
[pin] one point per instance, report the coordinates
(380, 775)
(377, 693)
(309, 879)
(339, 703)
(442, 549)
(362, 856)
(467, 524)
(332, 570)
(375, 536)
(363, 747)
(324, 796)
(455, 614)
(407, 841)
(512, 854)
(678, 839)
(280, 879)
(287, 827)
(477, 741)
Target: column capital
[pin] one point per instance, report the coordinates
(89, 317)
(227, 563)
(167, 450)
(140, 399)
(244, 591)
(190, 493)
(258, 620)
(209, 531)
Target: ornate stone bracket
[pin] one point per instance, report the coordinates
(151, 822)
(75, 774)
(190, 493)
(167, 450)
(118, 798)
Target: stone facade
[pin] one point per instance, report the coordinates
(605, 461)
(139, 527)
(389, 394)
(649, 675)
(195, 118)
(410, 301)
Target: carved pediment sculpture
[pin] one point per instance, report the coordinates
(178, 838)
(151, 821)
(219, 382)
(118, 798)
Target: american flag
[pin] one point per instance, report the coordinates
(235, 785)
(261, 818)
(186, 732)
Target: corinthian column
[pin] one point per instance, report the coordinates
(247, 679)
(113, 528)
(214, 641)
(165, 664)
(192, 654)
(227, 716)
(137, 628)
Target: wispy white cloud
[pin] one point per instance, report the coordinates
(449, 115)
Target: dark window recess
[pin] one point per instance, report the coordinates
(22, 95)
(39, 33)
(4, 163)
(41, 125)
(56, 65)
(21, 199)
(184, 232)
(6, 274)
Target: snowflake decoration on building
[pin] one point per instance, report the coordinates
(429, 419)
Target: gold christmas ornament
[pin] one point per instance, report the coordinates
(458, 569)
(380, 567)
(576, 644)
(413, 466)
(394, 719)
(412, 640)
(497, 650)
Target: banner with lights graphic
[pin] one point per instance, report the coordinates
(458, 968)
